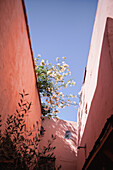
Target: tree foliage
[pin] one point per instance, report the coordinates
(51, 79)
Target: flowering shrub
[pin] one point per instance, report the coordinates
(19, 145)
(51, 79)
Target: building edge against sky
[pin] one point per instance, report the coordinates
(56, 29)
(95, 114)
(96, 100)
(17, 70)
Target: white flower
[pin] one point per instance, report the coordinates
(57, 58)
(63, 69)
(68, 82)
(39, 55)
(67, 69)
(61, 94)
(54, 96)
(57, 99)
(71, 95)
(64, 58)
(47, 62)
(65, 65)
(66, 74)
(49, 72)
(58, 64)
(60, 77)
(53, 67)
(42, 63)
(73, 82)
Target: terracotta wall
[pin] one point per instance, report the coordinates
(16, 61)
(66, 149)
(97, 91)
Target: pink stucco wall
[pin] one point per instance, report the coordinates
(97, 91)
(66, 149)
(16, 61)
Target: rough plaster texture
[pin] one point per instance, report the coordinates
(66, 149)
(16, 63)
(97, 91)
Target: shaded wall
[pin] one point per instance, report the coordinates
(97, 91)
(16, 61)
(66, 149)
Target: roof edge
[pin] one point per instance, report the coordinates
(29, 38)
(28, 33)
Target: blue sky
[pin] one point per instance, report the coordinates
(63, 28)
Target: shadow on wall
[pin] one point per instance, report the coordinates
(66, 149)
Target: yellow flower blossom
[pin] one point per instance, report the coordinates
(39, 55)
(65, 65)
(57, 58)
(64, 58)
(71, 95)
